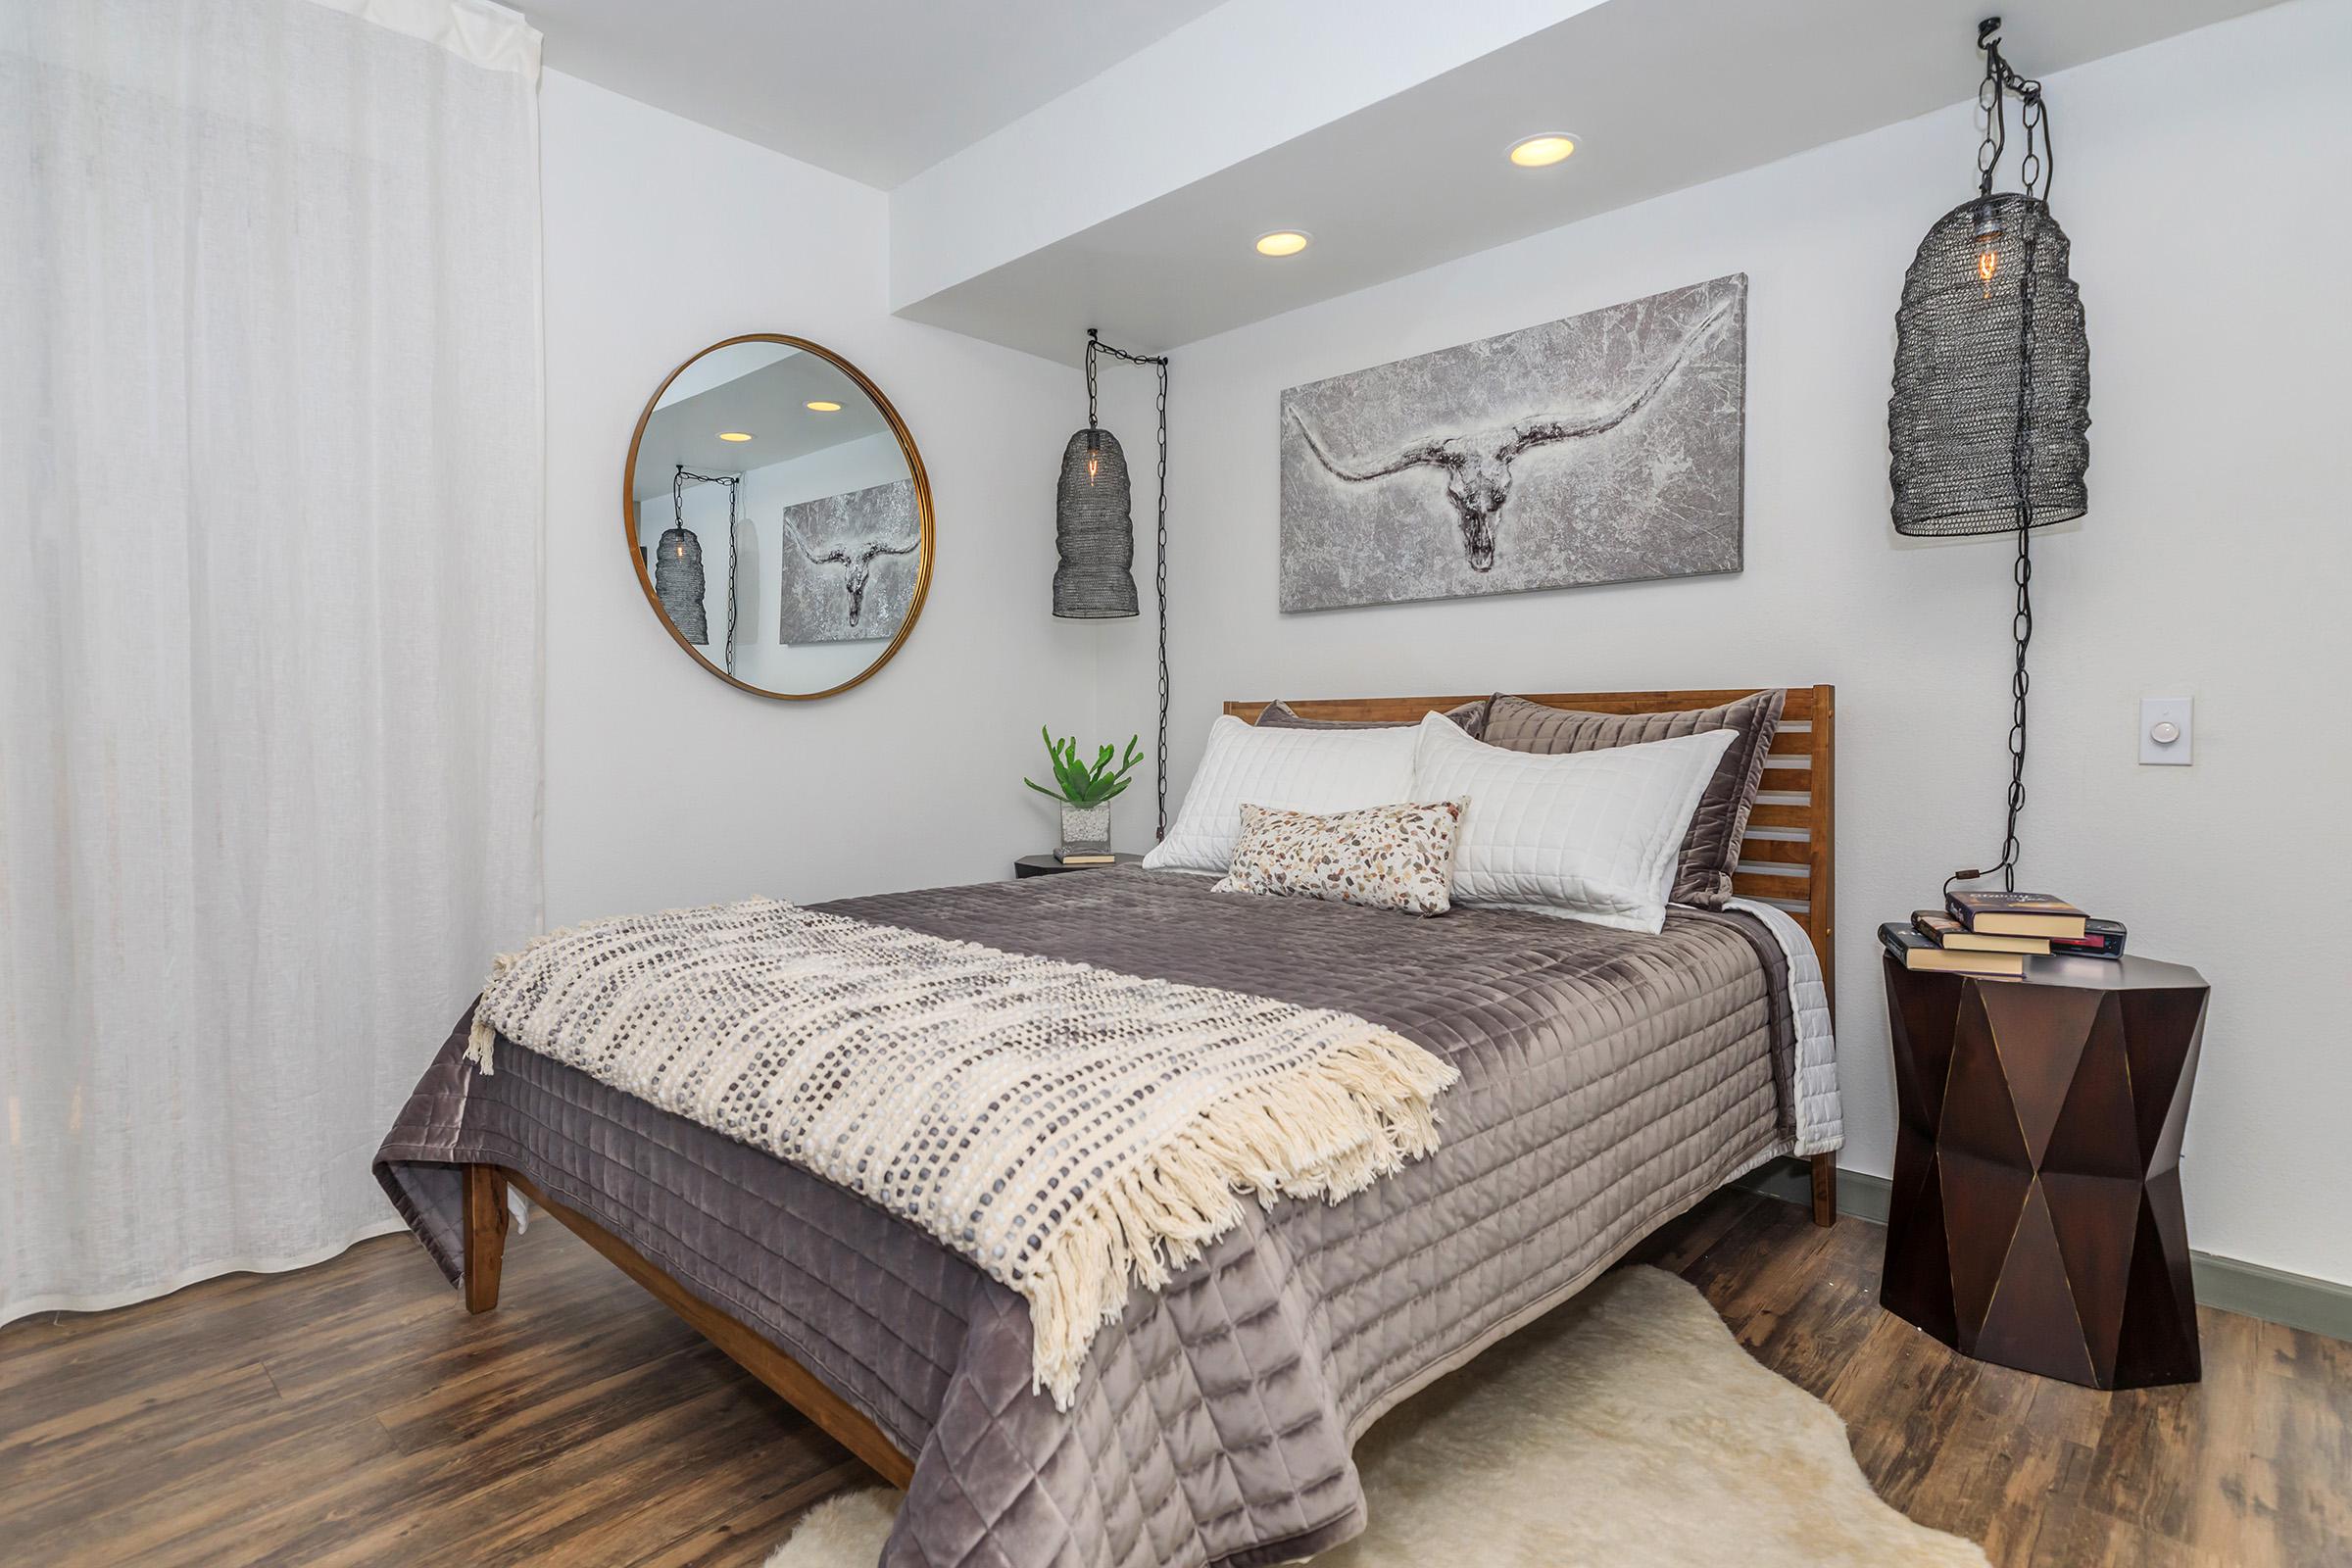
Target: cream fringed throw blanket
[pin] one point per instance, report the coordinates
(1071, 1130)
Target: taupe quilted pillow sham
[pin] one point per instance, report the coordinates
(1702, 877)
(1472, 716)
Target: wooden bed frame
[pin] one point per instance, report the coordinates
(1785, 860)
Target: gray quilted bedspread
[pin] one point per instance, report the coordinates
(1609, 1080)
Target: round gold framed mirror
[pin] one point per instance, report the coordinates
(778, 516)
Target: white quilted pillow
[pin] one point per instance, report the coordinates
(1317, 770)
(1591, 834)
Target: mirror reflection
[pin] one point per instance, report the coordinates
(780, 517)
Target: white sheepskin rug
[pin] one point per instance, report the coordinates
(846, 1529)
(1627, 1429)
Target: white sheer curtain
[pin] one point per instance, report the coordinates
(271, 469)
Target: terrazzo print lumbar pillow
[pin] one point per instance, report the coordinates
(1382, 857)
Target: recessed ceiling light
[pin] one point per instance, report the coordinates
(1282, 242)
(820, 405)
(733, 435)
(1535, 152)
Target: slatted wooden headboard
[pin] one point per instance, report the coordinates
(1785, 857)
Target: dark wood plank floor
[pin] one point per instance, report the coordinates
(352, 1413)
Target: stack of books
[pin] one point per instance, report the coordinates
(1994, 933)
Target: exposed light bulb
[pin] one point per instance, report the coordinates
(1093, 466)
(1988, 234)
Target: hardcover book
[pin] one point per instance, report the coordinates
(1915, 952)
(2014, 915)
(1945, 932)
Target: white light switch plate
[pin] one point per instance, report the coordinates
(2160, 716)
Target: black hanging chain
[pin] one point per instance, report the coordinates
(2036, 170)
(2040, 163)
(2021, 623)
(677, 509)
(1094, 345)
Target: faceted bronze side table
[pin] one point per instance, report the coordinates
(2035, 1219)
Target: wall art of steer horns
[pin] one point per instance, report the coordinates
(1607, 447)
(849, 565)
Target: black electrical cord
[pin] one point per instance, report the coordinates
(2036, 169)
(1094, 345)
(677, 508)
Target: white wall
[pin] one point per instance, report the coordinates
(2203, 182)
(664, 786)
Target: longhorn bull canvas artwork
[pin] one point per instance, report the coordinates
(1607, 447)
(849, 565)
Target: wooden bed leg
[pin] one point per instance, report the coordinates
(485, 1235)
(1825, 1194)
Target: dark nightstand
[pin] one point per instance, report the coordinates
(2036, 1220)
(1045, 865)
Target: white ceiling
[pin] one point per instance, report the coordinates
(874, 89)
(1377, 126)
(1665, 95)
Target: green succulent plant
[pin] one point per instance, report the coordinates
(1080, 784)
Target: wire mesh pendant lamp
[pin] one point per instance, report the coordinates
(678, 571)
(1987, 428)
(1094, 524)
